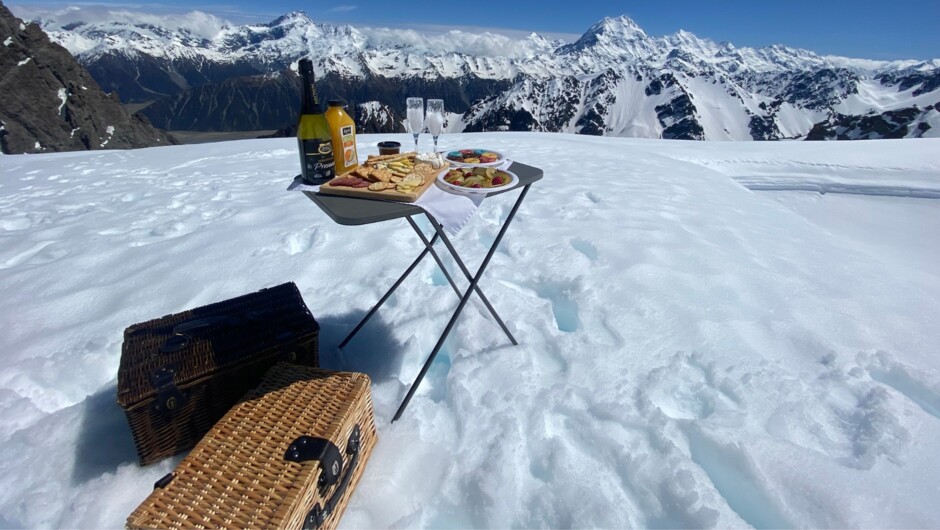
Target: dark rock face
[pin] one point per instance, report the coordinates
(236, 104)
(600, 97)
(554, 105)
(928, 81)
(764, 128)
(272, 101)
(662, 82)
(503, 119)
(143, 78)
(51, 103)
(375, 117)
(679, 121)
(820, 89)
(890, 124)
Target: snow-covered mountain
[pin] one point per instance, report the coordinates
(616, 80)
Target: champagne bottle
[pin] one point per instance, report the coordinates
(313, 132)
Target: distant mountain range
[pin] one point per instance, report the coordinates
(203, 74)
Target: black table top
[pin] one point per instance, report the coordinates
(357, 211)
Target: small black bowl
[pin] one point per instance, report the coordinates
(389, 148)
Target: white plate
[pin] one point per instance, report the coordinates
(453, 188)
(458, 163)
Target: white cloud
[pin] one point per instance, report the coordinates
(416, 38)
(343, 8)
(478, 41)
(198, 22)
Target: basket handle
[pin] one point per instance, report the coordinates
(205, 322)
(310, 448)
(182, 332)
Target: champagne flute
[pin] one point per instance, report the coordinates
(415, 117)
(435, 119)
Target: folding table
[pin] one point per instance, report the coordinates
(357, 211)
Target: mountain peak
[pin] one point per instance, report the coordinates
(617, 26)
(293, 17)
(613, 32)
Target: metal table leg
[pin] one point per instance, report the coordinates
(429, 245)
(463, 299)
(389, 293)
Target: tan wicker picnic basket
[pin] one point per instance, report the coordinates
(180, 373)
(288, 455)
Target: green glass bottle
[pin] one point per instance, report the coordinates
(313, 132)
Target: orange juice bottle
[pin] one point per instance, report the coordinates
(343, 130)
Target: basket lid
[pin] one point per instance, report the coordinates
(238, 475)
(201, 341)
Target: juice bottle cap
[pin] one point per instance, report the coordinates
(335, 102)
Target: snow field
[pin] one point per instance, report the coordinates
(692, 352)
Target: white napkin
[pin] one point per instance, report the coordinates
(452, 210)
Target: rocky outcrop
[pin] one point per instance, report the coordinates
(238, 104)
(271, 101)
(51, 103)
(903, 123)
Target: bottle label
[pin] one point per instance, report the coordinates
(348, 135)
(318, 159)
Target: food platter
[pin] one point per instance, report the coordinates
(476, 180)
(401, 177)
(474, 157)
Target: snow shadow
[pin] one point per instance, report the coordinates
(875, 190)
(104, 439)
(373, 350)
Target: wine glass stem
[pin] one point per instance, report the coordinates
(416, 143)
(435, 143)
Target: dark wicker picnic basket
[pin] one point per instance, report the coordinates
(180, 373)
(288, 455)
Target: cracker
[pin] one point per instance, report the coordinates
(412, 180)
(380, 186)
(382, 175)
(381, 158)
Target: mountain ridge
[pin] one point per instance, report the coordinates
(692, 88)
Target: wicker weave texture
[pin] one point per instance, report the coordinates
(220, 360)
(237, 477)
(270, 319)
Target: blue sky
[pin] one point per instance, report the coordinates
(908, 29)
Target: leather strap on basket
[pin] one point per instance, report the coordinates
(168, 398)
(307, 448)
(183, 333)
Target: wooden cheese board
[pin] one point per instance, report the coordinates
(395, 191)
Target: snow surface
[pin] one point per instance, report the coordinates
(693, 353)
(63, 97)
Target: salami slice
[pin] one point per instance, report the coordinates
(350, 181)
